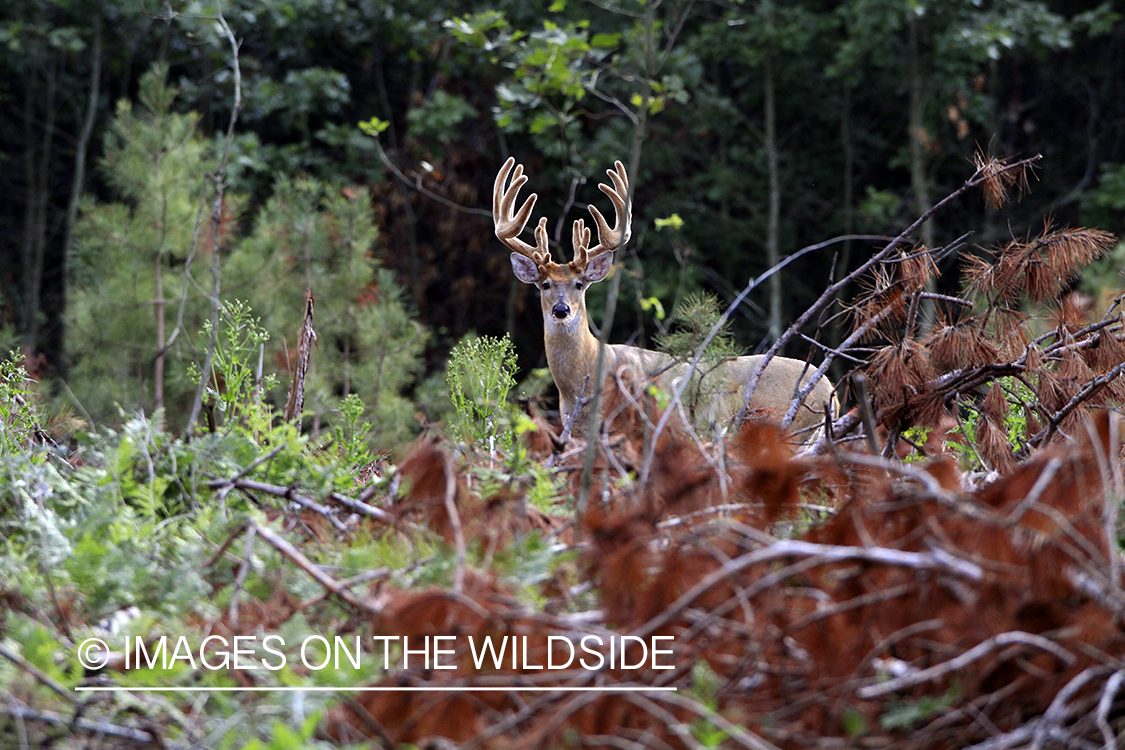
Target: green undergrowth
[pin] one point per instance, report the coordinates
(137, 532)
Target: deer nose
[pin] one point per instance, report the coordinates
(560, 310)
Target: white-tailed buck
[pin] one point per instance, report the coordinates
(714, 396)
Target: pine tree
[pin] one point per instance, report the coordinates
(131, 316)
(321, 236)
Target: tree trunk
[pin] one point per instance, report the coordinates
(80, 152)
(158, 390)
(919, 138)
(847, 147)
(773, 222)
(919, 142)
(38, 165)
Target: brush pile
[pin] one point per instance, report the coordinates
(914, 615)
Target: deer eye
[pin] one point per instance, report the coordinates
(545, 285)
(578, 285)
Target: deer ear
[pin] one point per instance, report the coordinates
(525, 269)
(598, 268)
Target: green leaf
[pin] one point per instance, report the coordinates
(653, 303)
(605, 40)
(674, 222)
(854, 723)
(542, 123)
(374, 126)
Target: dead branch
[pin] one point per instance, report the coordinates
(309, 567)
(823, 554)
(90, 727)
(962, 660)
(289, 493)
(830, 293)
(36, 672)
(295, 403)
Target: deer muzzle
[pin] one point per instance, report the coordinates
(561, 310)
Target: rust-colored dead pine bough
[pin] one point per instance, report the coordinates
(919, 615)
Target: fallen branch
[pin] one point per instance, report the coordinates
(89, 726)
(309, 567)
(36, 672)
(289, 493)
(825, 553)
(963, 660)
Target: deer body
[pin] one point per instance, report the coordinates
(715, 394)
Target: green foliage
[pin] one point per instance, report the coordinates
(321, 236)
(918, 436)
(233, 386)
(1014, 426)
(546, 488)
(1104, 205)
(705, 684)
(907, 714)
(854, 723)
(284, 737)
(968, 427)
(130, 256)
(692, 322)
(132, 518)
(132, 514)
(481, 372)
(438, 119)
(673, 222)
(351, 434)
(552, 70)
(373, 126)
(128, 268)
(880, 209)
(19, 422)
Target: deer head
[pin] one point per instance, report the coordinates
(562, 286)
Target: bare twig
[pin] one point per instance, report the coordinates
(963, 660)
(1086, 392)
(455, 523)
(1105, 703)
(693, 365)
(286, 492)
(829, 358)
(89, 726)
(225, 545)
(290, 493)
(824, 554)
(866, 414)
(240, 579)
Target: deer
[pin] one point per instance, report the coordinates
(715, 396)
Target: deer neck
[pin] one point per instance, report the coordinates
(572, 355)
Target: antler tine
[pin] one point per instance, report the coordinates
(581, 239)
(611, 239)
(509, 226)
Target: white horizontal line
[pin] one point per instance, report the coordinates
(404, 689)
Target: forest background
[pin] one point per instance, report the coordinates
(753, 129)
